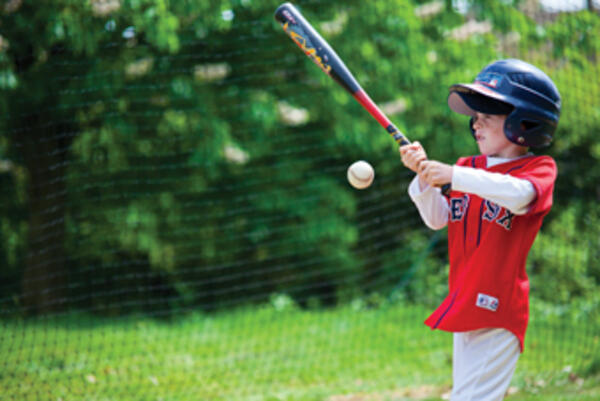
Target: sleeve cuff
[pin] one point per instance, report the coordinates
(415, 192)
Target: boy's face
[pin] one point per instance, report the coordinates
(489, 133)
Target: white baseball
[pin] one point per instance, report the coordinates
(360, 174)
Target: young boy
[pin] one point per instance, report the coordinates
(493, 212)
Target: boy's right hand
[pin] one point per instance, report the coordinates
(412, 155)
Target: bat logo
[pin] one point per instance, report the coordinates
(307, 47)
(289, 16)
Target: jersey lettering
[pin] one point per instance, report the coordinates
(458, 207)
(506, 220)
(492, 211)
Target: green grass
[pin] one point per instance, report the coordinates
(266, 354)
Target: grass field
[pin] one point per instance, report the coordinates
(273, 353)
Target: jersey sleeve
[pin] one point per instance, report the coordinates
(508, 191)
(541, 172)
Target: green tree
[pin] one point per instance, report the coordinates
(186, 153)
(55, 79)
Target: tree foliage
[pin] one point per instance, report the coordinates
(184, 152)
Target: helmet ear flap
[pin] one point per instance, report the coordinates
(527, 130)
(513, 131)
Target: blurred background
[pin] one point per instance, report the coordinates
(176, 222)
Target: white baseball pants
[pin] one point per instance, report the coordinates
(483, 364)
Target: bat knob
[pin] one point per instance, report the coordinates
(446, 189)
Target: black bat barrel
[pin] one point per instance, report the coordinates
(317, 48)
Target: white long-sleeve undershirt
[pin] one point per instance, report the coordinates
(514, 194)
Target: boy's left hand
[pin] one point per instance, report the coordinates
(435, 173)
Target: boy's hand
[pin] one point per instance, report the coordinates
(435, 173)
(412, 155)
(430, 172)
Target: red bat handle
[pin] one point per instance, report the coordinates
(364, 99)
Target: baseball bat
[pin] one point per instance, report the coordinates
(319, 51)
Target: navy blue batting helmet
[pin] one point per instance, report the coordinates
(516, 88)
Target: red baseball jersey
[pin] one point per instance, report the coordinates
(488, 247)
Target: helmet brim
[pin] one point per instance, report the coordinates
(469, 99)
